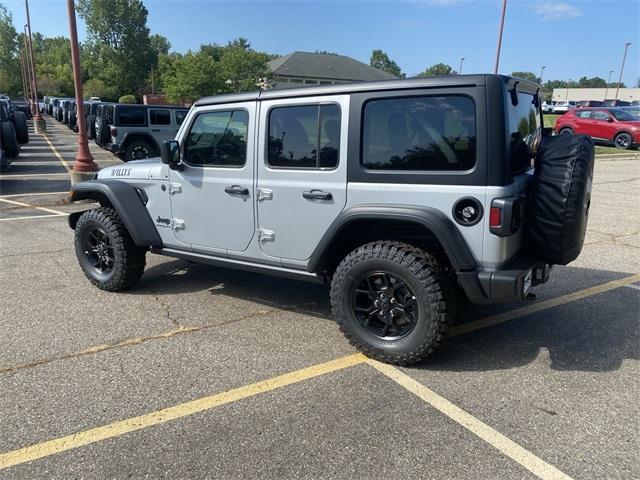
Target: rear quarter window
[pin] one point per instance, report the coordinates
(131, 116)
(426, 133)
(525, 131)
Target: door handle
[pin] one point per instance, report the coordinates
(155, 129)
(317, 195)
(236, 190)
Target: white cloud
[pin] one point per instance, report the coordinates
(550, 11)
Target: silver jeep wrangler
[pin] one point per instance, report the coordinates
(402, 195)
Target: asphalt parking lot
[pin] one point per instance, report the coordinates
(202, 372)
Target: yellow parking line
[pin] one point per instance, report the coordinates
(35, 207)
(57, 154)
(75, 440)
(544, 305)
(494, 438)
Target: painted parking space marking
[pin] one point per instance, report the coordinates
(494, 438)
(637, 287)
(35, 207)
(544, 305)
(76, 440)
(57, 154)
(32, 217)
(33, 194)
(31, 175)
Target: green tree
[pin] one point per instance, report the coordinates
(243, 68)
(127, 99)
(188, 77)
(159, 44)
(10, 75)
(53, 65)
(94, 87)
(119, 48)
(593, 82)
(526, 75)
(381, 61)
(438, 69)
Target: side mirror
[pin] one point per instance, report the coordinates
(170, 154)
(610, 119)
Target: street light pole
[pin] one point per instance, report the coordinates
(606, 92)
(38, 122)
(27, 64)
(626, 46)
(461, 60)
(542, 73)
(84, 166)
(25, 85)
(504, 10)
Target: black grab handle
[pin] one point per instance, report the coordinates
(317, 195)
(236, 190)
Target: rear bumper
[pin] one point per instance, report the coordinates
(509, 284)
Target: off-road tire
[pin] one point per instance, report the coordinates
(20, 124)
(129, 259)
(91, 127)
(566, 131)
(429, 283)
(623, 141)
(135, 145)
(9, 140)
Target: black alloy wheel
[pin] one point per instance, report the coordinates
(385, 305)
(98, 251)
(623, 140)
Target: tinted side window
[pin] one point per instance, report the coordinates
(525, 131)
(583, 114)
(159, 117)
(304, 136)
(218, 139)
(180, 116)
(600, 115)
(419, 133)
(131, 116)
(109, 115)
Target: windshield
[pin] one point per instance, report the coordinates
(623, 115)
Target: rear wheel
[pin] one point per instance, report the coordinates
(566, 131)
(623, 140)
(389, 301)
(138, 149)
(107, 254)
(9, 140)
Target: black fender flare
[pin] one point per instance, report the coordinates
(434, 220)
(124, 198)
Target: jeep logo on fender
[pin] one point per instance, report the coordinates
(164, 221)
(120, 172)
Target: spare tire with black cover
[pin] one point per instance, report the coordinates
(9, 140)
(102, 132)
(560, 198)
(20, 124)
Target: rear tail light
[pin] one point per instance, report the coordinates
(113, 131)
(506, 216)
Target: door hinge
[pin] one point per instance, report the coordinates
(178, 224)
(264, 194)
(266, 235)
(175, 188)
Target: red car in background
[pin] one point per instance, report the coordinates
(603, 125)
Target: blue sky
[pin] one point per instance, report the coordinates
(571, 37)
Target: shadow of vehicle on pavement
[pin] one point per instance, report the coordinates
(594, 334)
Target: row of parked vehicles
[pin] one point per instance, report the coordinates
(13, 128)
(563, 107)
(132, 132)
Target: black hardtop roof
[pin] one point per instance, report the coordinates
(355, 87)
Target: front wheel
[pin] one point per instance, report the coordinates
(566, 131)
(389, 301)
(107, 254)
(623, 140)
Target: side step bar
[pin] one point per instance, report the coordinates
(242, 265)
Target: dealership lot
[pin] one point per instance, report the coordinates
(202, 372)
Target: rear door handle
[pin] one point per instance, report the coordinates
(236, 190)
(317, 195)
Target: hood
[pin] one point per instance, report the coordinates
(137, 169)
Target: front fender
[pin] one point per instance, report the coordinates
(124, 198)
